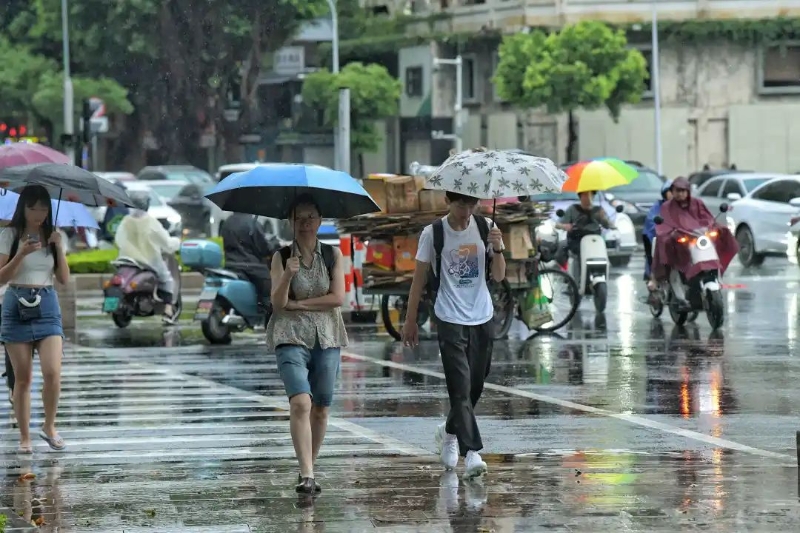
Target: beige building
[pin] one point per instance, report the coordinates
(722, 103)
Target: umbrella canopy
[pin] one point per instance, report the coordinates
(492, 174)
(16, 154)
(599, 175)
(269, 189)
(70, 214)
(66, 182)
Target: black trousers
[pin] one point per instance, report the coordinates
(466, 358)
(648, 257)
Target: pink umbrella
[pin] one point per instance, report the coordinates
(16, 154)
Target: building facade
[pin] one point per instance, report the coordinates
(722, 102)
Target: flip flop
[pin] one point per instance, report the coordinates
(56, 443)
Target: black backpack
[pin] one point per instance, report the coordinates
(328, 258)
(438, 245)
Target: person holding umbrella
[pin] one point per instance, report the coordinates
(31, 257)
(306, 330)
(457, 257)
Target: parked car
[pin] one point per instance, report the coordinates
(200, 215)
(116, 177)
(176, 173)
(762, 217)
(697, 179)
(727, 188)
(169, 217)
(620, 243)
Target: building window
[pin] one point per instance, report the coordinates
(414, 82)
(780, 69)
(469, 78)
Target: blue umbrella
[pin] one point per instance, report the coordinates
(269, 189)
(68, 214)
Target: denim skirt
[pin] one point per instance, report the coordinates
(48, 324)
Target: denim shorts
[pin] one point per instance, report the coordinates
(48, 324)
(305, 371)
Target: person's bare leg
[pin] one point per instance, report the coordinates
(319, 425)
(300, 427)
(50, 351)
(22, 363)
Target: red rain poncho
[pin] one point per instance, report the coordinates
(692, 216)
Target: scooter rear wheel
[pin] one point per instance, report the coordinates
(679, 317)
(121, 320)
(213, 329)
(600, 296)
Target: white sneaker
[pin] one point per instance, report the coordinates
(446, 447)
(474, 465)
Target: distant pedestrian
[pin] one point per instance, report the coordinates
(463, 252)
(306, 332)
(31, 255)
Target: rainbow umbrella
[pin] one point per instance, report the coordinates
(598, 175)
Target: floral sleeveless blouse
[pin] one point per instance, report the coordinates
(305, 328)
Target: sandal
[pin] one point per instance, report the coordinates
(56, 443)
(307, 485)
(25, 450)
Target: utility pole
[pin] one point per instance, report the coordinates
(456, 136)
(655, 67)
(69, 112)
(341, 134)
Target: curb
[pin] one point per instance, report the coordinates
(15, 524)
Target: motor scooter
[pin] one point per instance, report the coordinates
(591, 268)
(133, 291)
(704, 291)
(229, 302)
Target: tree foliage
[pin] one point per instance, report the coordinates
(32, 85)
(584, 66)
(177, 58)
(374, 95)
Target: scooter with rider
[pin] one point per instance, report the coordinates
(691, 253)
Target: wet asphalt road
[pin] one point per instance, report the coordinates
(622, 424)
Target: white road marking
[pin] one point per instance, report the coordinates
(632, 419)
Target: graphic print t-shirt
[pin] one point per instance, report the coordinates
(463, 295)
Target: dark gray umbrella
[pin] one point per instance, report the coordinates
(65, 182)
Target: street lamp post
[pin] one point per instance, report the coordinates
(654, 82)
(457, 106)
(69, 112)
(341, 135)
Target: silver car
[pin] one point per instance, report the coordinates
(728, 188)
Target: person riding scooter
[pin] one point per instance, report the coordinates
(683, 215)
(579, 220)
(141, 237)
(649, 232)
(248, 251)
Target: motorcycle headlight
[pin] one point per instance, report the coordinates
(627, 207)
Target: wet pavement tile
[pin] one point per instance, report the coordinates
(620, 424)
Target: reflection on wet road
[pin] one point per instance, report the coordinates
(625, 423)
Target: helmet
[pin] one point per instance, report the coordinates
(665, 188)
(141, 199)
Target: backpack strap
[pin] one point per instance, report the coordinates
(436, 265)
(483, 229)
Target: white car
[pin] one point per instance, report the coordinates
(169, 218)
(762, 218)
(727, 188)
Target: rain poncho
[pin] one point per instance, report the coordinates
(693, 215)
(143, 239)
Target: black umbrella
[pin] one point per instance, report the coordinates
(66, 182)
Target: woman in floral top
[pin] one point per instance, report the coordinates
(307, 332)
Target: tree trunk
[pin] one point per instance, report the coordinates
(572, 138)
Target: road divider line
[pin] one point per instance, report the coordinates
(630, 418)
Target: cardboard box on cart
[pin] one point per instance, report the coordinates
(517, 238)
(393, 193)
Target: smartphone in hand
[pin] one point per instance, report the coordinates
(33, 237)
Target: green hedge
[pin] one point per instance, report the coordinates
(99, 261)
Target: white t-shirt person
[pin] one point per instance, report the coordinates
(463, 296)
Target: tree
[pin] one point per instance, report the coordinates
(374, 95)
(178, 58)
(31, 86)
(584, 66)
